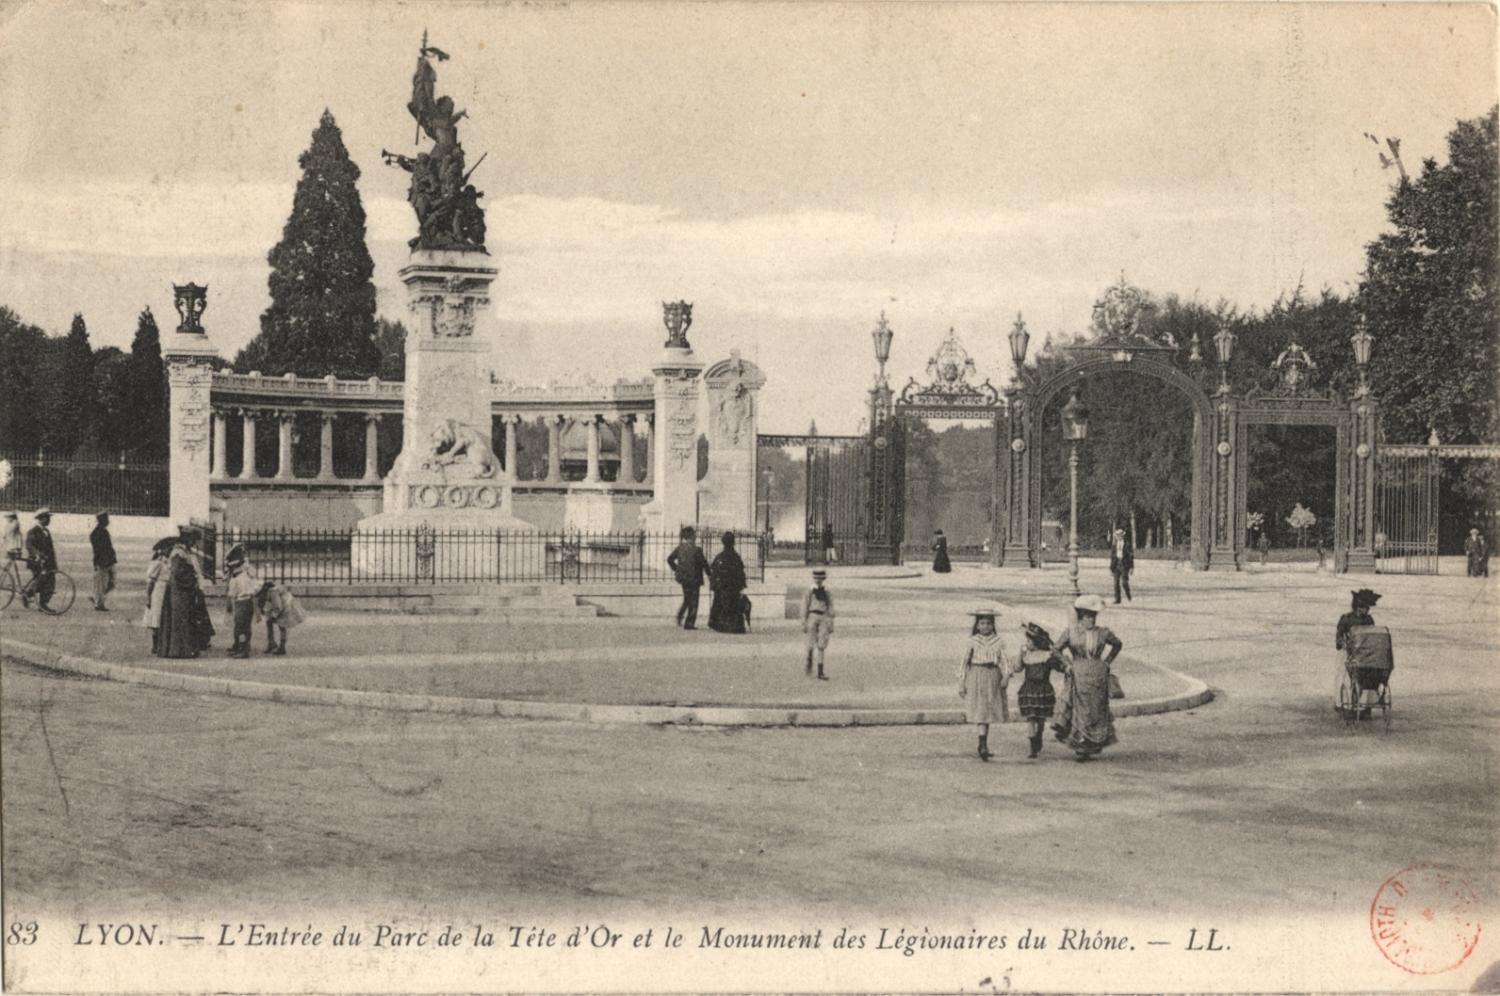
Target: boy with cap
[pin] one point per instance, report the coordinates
(817, 622)
(241, 593)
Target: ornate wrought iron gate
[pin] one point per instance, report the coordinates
(1406, 509)
(836, 495)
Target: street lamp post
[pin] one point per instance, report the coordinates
(770, 486)
(1075, 416)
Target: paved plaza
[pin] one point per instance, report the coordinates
(1258, 804)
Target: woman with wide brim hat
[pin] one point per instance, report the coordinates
(982, 676)
(1087, 724)
(1360, 604)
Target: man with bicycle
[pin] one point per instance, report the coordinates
(41, 558)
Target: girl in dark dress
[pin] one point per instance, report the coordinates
(940, 562)
(1036, 697)
(726, 576)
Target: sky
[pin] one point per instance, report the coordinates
(792, 169)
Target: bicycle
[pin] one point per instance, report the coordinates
(64, 590)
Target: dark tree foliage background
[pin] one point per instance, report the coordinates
(1430, 296)
(146, 389)
(69, 393)
(322, 314)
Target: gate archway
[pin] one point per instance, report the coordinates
(949, 394)
(1221, 424)
(1023, 486)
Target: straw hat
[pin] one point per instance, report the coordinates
(1089, 603)
(820, 575)
(985, 611)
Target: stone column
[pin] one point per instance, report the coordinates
(554, 449)
(325, 447)
(372, 447)
(188, 356)
(675, 462)
(512, 425)
(284, 446)
(591, 472)
(220, 460)
(648, 428)
(247, 445)
(627, 450)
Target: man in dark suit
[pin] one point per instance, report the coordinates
(690, 567)
(41, 557)
(1121, 563)
(104, 561)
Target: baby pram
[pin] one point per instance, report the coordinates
(1365, 688)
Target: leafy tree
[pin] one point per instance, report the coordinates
(1431, 295)
(1301, 519)
(68, 408)
(390, 343)
(322, 314)
(146, 389)
(22, 360)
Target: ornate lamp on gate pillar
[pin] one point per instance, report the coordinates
(881, 394)
(1075, 419)
(1362, 340)
(188, 356)
(1224, 346)
(1011, 513)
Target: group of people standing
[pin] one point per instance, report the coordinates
(1083, 654)
(730, 610)
(177, 605)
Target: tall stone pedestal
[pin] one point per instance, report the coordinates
(188, 357)
(447, 475)
(675, 455)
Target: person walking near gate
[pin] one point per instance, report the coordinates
(726, 576)
(1121, 563)
(690, 567)
(41, 557)
(817, 622)
(104, 561)
(1478, 554)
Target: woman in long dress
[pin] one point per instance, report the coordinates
(1087, 725)
(726, 576)
(940, 562)
(183, 614)
(156, 590)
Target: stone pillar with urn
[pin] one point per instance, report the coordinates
(189, 356)
(674, 460)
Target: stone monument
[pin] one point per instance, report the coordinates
(447, 476)
(189, 357)
(728, 493)
(675, 455)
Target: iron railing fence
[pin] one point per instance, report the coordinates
(467, 556)
(121, 484)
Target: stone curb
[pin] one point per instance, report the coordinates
(1197, 694)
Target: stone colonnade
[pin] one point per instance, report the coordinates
(627, 426)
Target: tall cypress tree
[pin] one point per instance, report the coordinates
(70, 403)
(322, 314)
(23, 349)
(146, 388)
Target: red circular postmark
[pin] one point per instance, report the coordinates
(1424, 920)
